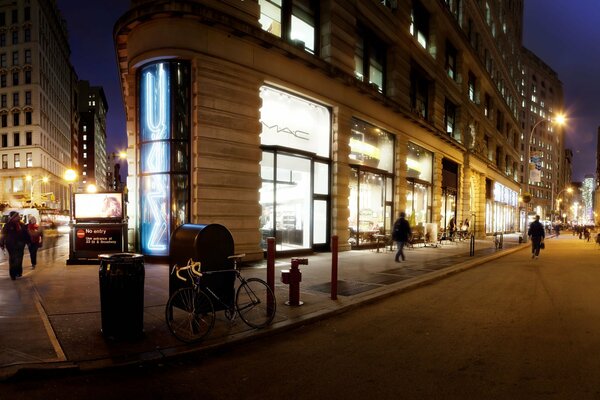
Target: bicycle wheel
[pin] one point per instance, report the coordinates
(190, 315)
(253, 305)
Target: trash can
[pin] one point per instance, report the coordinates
(122, 295)
(210, 244)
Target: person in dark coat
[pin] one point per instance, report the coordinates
(537, 234)
(14, 238)
(35, 234)
(401, 235)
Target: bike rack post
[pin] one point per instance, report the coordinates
(334, 266)
(270, 270)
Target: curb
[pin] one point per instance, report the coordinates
(156, 356)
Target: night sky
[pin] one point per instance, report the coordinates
(563, 33)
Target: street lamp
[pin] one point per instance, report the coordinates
(558, 119)
(558, 199)
(70, 176)
(32, 182)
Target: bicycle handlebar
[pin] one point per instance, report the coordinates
(192, 266)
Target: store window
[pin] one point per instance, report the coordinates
(419, 176)
(164, 153)
(419, 23)
(449, 194)
(295, 171)
(371, 183)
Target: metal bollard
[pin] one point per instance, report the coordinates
(293, 277)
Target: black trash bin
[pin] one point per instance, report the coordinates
(210, 244)
(122, 295)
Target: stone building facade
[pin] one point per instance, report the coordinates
(307, 119)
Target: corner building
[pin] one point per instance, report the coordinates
(304, 119)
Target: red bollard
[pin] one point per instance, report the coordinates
(293, 277)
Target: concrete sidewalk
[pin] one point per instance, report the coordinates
(50, 318)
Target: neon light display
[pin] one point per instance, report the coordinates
(155, 155)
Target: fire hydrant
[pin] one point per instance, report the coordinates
(293, 277)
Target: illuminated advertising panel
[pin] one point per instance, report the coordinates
(98, 206)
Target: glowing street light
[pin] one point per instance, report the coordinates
(32, 182)
(70, 176)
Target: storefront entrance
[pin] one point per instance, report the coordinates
(295, 172)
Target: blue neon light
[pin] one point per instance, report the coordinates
(155, 155)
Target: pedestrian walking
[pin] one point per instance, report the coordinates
(537, 234)
(14, 237)
(401, 235)
(35, 235)
(50, 239)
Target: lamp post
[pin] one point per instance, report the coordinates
(559, 200)
(559, 119)
(32, 182)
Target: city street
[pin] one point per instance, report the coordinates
(512, 328)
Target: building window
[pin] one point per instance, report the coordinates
(27, 34)
(3, 60)
(2, 18)
(2, 39)
(16, 119)
(451, 60)
(4, 161)
(4, 140)
(28, 139)
(449, 117)
(85, 128)
(27, 117)
(3, 80)
(27, 56)
(15, 16)
(84, 155)
(15, 58)
(3, 101)
(16, 139)
(17, 161)
(471, 84)
(16, 99)
(15, 79)
(85, 146)
(4, 120)
(487, 106)
(27, 14)
(369, 59)
(419, 94)
(419, 23)
(27, 77)
(29, 160)
(292, 20)
(15, 37)
(28, 98)
(84, 137)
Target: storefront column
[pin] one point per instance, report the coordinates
(340, 189)
(225, 151)
(465, 194)
(401, 152)
(437, 192)
(478, 182)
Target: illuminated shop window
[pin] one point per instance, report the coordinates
(164, 140)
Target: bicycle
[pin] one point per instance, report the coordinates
(190, 311)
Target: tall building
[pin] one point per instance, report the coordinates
(92, 108)
(300, 120)
(36, 94)
(543, 100)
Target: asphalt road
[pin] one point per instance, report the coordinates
(514, 328)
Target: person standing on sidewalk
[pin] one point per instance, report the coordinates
(401, 234)
(537, 234)
(14, 238)
(36, 234)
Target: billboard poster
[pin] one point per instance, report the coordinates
(98, 206)
(535, 167)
